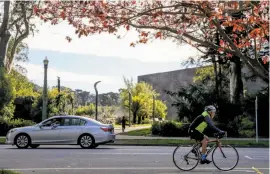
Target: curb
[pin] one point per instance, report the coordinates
(172, 145)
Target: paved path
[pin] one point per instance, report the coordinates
(115, 160)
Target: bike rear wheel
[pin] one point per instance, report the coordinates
(184, 159)
(225, 157)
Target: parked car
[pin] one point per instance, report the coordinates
(62, 130)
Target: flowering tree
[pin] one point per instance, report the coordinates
(242, 25)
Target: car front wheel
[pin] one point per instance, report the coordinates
(22, 141)
(86, 141)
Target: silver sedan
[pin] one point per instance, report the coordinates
(62, 130)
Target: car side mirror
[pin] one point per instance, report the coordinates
(40, 126)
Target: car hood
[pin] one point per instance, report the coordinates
(25, 128)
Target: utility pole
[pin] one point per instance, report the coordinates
(45, 98)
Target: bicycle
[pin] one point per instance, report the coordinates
(217, 149)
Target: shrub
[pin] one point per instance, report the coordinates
(7, 124)
(246, 128)
(170, 129)
(146, 121)
(6, 91)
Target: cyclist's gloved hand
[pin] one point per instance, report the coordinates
(222, 132)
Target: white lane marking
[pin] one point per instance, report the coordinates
(248, 157)
(122, 168)
(127, 153)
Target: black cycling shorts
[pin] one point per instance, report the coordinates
(194, 134)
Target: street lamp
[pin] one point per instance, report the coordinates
(95, 86)
(44, 108)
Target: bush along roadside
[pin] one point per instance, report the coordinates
(170, 129)
(175, 142)
(7, 124)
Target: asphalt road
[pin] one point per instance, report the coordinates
(116, 160)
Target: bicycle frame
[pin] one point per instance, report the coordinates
(217, 143)
(198, 144)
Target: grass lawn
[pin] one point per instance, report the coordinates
(2, 140)
(134, 125)
(140, 132)
(8, 172)
(175, 142)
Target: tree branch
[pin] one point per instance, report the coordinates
(20, 38)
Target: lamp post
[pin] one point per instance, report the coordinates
(58, 84)
(95, 86)
(44, 107)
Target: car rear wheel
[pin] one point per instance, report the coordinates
(34, 146)
(22, 141)
(86, 141)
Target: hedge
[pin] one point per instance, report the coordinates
(170, 129)
(6, 125)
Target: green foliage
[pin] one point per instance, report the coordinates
(170, 129)
(6, 124)
(8, 172)
(142, 101)
(86, 110)
(204, 74)
(57, 104)
(246, 128)
(7, 111)
(190, 101)
(6, 92)
(21, 85)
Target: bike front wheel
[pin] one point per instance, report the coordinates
(225, 157)
(185, 158)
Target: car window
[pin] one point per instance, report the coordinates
(74, 122)
(52, 121)
(82, 122)
(66, 122)
(93, 122)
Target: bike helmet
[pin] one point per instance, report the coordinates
(210, 108)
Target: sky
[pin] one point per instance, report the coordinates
(100, 57)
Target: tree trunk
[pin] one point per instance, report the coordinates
(216, 74)
(139, 119)
(134, 117)
(143, 117)
(236, 83)
(4, 34)
(3, 47)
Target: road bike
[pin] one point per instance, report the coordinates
(191, 155)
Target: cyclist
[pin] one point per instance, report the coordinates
(197, 127)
